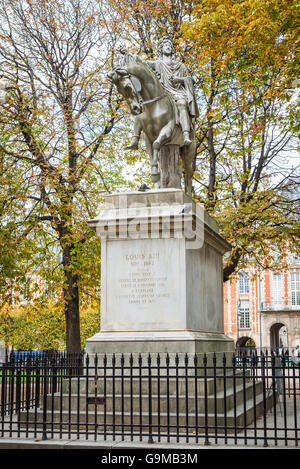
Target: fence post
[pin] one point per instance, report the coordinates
(2, 402)
(131, 395)
(122, 395)
(54, 376)
(37, 382)
(177, 396)
(140, 362)
(263, 362)
(244, 363)
(105, 394)
(18, 391)
(113, 363)
(27, 364)
(284, 378)
(3, 394)
(205, 399)
(168, 394)
(234, 361)
(150, 440)
(215, 396)
(196, 394)
(273, 390)
(225, 395)
(44, 437)
(253, 372)
(95, 397)
(295, 404)
(158, 395)
(186, 360)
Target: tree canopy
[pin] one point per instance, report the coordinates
(63, 128)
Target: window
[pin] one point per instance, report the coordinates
(243, 283)
(295, 288)
(293, 259)
(244, 314)
(277, 290)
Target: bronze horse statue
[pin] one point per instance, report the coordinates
(156, 115)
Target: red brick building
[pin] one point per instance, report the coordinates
(263, 308)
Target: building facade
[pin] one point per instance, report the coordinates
(262, 309)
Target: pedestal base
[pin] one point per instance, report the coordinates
(160, 342)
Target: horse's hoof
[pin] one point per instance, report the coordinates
(187, 142)
(155, 177)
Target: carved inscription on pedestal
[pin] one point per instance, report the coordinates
(143, 284)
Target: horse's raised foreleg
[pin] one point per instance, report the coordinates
(164, 137)
(137, 129)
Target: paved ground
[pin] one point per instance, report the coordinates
(286, 435)
(19, 443)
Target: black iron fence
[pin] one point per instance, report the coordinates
(229, 399)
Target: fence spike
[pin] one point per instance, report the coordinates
(195, 359)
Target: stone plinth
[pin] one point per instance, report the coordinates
(161, 276)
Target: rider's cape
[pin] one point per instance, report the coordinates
(177, 70)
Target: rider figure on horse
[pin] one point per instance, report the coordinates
(176, 80)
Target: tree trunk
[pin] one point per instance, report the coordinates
(71, 304)
(211, 194)
(232, 265)
(212, 167)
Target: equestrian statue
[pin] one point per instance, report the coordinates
(160, 94)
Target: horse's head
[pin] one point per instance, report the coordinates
(128, 86)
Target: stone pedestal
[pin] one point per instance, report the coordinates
(161, 276)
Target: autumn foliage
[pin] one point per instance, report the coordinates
(40, 325)
(63, 128)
